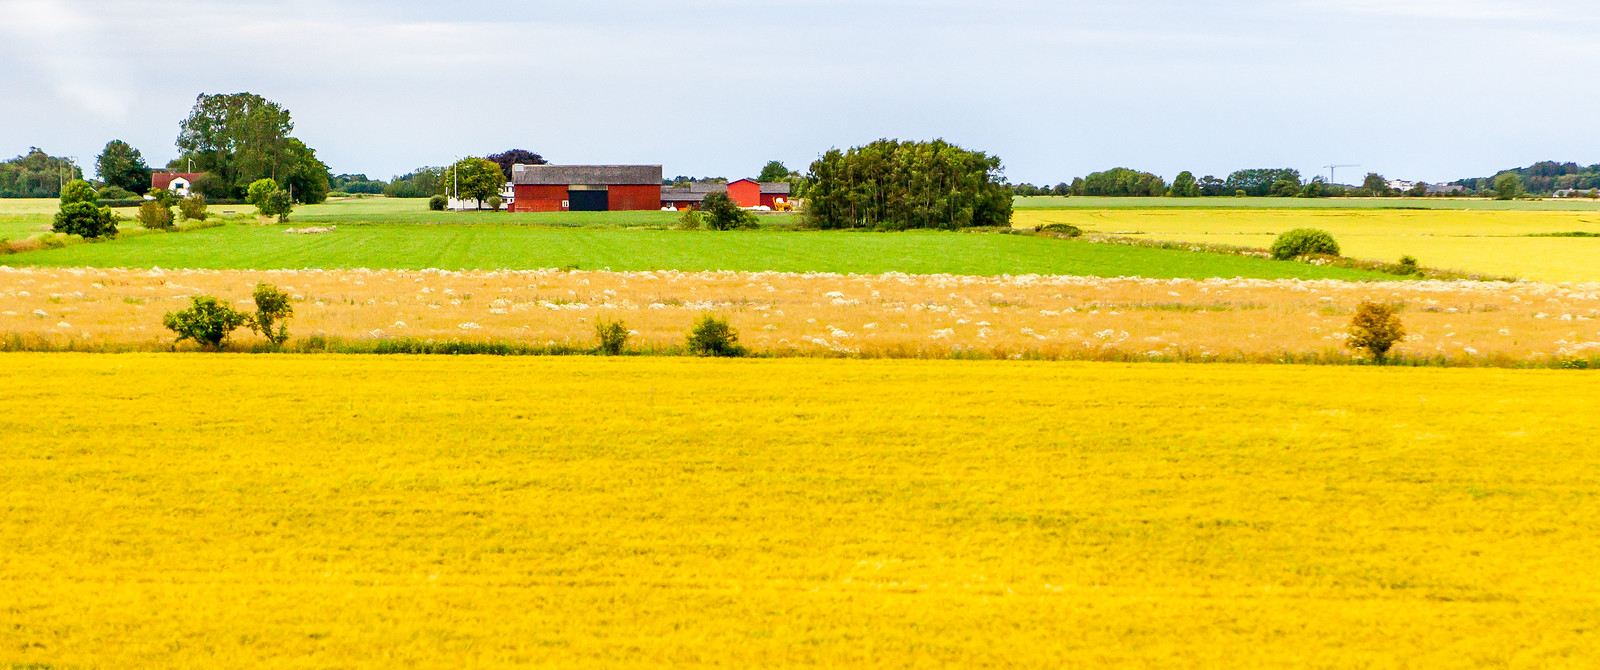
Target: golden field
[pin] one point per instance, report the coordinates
(1489, 242)
(913, 316)
(375, 512)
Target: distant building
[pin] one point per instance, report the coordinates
(1446, 189)
(180, 183)
(751, 193)
(585, 188)
(1401, 184)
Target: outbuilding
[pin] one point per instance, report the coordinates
(180, 183)
(586, 188)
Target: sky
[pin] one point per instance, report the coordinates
(1429, 90)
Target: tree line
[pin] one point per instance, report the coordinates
(895, 185)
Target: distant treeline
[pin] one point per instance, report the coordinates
(36, 174)
(897, 185)
(1541, 179)
(1544, 178)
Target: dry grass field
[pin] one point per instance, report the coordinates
(1491, 242)
(806, 314)
(235, 511)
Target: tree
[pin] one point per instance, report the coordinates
(258, 192)
(36, 174)
(279, 204)
(1304, 242)
(1284, 188)
(722, 213)
(1314, 189)
(894, 185)
(476, 179)
(155, 216)
(419, 183)
(1507, 186)
(774, 171)
(78, 190)
(507, 159)
(712, 336)
(121, 165)
(1184, 185)
(243, 137)
(1418, 190)
(1259, 182)
(272, 309)
(192, 207)
(1121, 182)
(207, 321)
(1375, 328)
(79, 215)
(307, 180)
(1375, 185)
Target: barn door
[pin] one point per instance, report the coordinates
(588, 200)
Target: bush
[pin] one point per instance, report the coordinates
(1061, 229)
(192, 207)
(437, 203)
(278, 204)
(154, 216)
(1408, 265)
(165, 197)
(1375, 328)
(78, 190)
(690, 219)
(86, 220)
(258, 192)
(272, 308)
(207, 321)
(494, 203)
(1304, 242)
(722, 213)
(117, 193)
(712, 336)
(610, 337)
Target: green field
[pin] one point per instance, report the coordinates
(1082, 202)
(495, 247)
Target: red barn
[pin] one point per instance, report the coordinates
(750, 193)
(586, 188)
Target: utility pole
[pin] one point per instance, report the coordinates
(1331, 168)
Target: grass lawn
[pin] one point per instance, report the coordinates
(1496, 242)
(232, 511)
(490, 247)
(1084, 202)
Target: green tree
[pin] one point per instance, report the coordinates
(155, 216)
(712, 336)
(85, 220)
(1507, 186)
(273, 307)
(1184, 185)
(894, 185)
(774, 171)
(307, 180)
(279, 204)
(1121, 182)
(239, 137)
(722, 213)
(36, 174)
(78, 190)
(1375, 185)
(1258, 182)
(1284, 188)
(1376, 328)
(476, 179)
(192, 207)
(258, 192)
(208, 321)
(121, 165)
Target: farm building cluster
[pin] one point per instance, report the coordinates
(603, 188)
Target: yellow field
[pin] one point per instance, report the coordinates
(358, 512)
(1482, 242)
(857, 315)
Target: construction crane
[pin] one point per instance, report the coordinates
(1331, 168)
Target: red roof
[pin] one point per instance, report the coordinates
(161, 180)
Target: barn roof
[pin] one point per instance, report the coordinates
(585, 175)
(775, 188)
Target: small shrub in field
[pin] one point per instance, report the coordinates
(258, 191)
(712, 336)
(78, 190)
(207, 321)
(1304, 242)
(610, 337)
(437, 203)
(192, 208)
(165, 197)
(1375, 329)
(278, 204)
(690, 219)
(722, 213)
(86, 220)
(154, 216)
(1408, 265)
(1061, 229)
(272, 308)
(494, 203)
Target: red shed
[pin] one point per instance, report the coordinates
(751, 193)
(586, 188)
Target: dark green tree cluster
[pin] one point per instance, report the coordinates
(122, 166)
(1031, 190)
(419, 183)
(79, 215)
(356, 183)
(776, 171)
(722, 213)
(36, 174)
(239, 138)
(1120, 182)
(895, 185)
(1261, 182)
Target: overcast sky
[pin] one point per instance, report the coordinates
(1417, 89)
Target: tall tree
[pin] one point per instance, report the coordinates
(121, 165)
(775, 171)
(1121, 182)
(307, 180)
(239, 137)
(1374, 184)
(1259, 182)
(1184, 185)
(472, 179)
(507, 159)
(896, 185)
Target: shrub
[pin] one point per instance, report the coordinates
(192, 207)
(154, 216)
(712, 336)
(272, 308)
(86, 220)
(1304, 242)
(117, 193)
(1375, 328)
(722, 213)
(1408, 265)
(1061, 229)
(494, 203)
(610, 337)
(165, 197)
(207, 321)
(1240, 194)
(258, 192)
(78, 190)
(437, 203)
(278, 204)
(690, 219)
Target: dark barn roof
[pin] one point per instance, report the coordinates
(585, 175)
(775, 188)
